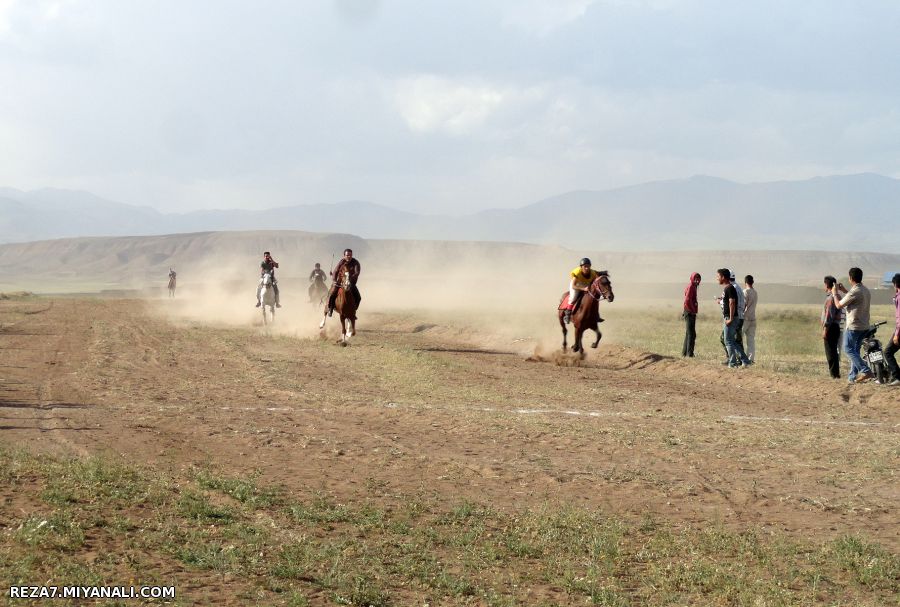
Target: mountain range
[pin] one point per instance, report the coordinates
(846, 212)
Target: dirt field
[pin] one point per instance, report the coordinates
(423, 408)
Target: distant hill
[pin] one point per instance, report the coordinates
(407, 265)
(850, 212)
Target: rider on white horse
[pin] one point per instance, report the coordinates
(267, 266)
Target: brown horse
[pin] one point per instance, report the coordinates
(345, 304)
(587, 316)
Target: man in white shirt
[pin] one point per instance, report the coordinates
(750, 299)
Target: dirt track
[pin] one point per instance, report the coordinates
(412, 407)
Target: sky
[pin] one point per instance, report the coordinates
(438, 107)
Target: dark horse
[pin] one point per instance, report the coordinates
(317, 292)
(587, 316)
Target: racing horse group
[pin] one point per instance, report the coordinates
(585, 317)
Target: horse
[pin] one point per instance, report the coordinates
(267, 297)
(345, 304)
(587, 316)
(317, 292)
(171, 285)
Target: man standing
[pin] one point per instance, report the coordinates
(894, 345)
(857, 302)
(750, 299)
(736, 355)
(738, 333)
(831, 330)
(691, 309)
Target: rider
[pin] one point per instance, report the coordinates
(582, 277)
(346, 264)
(317, 276)
(268, 265)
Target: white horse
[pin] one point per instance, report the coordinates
(267, 297)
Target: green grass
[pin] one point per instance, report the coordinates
(277, 548)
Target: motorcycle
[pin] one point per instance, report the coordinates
(873, 353)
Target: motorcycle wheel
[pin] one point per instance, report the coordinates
(879, 372)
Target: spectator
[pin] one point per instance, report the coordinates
(831, 330)
(750, 299)
(894, 344)
(738, 332)
(857, 302)
(691, 309)
(736, 355)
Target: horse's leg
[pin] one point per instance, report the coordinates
(579, 332)
(599, 336)
(562, 324)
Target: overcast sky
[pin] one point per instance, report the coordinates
(438, 106)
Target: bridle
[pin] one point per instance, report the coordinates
(597, 290)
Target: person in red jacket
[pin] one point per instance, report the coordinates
(691, 307)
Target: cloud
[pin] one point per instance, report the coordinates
(431, 104)
(542, 17)
(463, 105)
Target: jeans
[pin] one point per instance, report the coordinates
(749, 330)
(852, 343)
(832, 351)
(736, 355)
(690, 334)
(890, 360)
(737, 336)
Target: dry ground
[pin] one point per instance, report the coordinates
(414, 408)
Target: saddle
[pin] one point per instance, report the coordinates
(564, 303)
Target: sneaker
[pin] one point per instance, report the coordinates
(863, 377)
(896, 382)
(258, 304)
(278, 305)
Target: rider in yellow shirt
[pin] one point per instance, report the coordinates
(581, 279)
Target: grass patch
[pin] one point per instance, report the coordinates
(274, 549)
